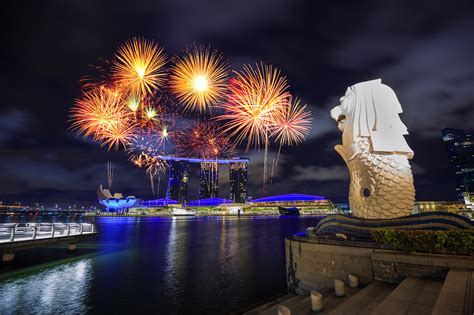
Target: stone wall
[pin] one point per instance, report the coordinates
(391, 266)
(312, 265)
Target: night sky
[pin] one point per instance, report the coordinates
(424, 52)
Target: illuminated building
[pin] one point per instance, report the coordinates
(178, 180)
(209, 177)
(460, 146)
(238, 182)
(115, 202)
(447, 206)
(163, 202)
(209, 202)
(303, 202)
(469, 200)
(208, 180)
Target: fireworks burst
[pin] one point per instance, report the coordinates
(199, 79)
(145, 142)
(126, 107)
(292, 124)
(100, 114)
(139, 160)
(140, 66)
(155, 167)
(256, 96)
(205, 140)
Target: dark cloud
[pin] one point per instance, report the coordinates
(422, 50)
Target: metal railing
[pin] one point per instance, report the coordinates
(14, 232)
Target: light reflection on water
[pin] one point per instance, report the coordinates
(200, 265)
(62, 289)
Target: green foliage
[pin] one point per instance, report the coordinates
(457, 242)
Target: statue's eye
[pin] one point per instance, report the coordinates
(341, 118)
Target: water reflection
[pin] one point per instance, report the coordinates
(210, 265)
(58, 290)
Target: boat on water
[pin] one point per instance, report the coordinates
(179, 212)
(289, 210)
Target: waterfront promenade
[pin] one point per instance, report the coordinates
(17, 236)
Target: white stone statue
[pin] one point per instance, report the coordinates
(375, 151)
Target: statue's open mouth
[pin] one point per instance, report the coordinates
(341, 119)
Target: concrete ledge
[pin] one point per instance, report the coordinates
(30, 243)
(313, 265)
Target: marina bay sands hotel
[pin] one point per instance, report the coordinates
(209, 178)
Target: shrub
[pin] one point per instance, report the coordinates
(457, 242)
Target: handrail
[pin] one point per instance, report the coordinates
(14, 232)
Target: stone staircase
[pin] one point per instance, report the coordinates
(414, 295)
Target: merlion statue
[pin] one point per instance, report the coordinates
(375, 151)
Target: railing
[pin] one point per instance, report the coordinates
(14, 232)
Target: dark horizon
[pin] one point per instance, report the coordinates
(422, 51)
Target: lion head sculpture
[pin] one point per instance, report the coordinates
(370, 109)
(375, 150)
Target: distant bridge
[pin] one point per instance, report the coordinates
(20, 210)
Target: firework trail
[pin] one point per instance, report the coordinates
(292, 124)
(256, 97)
(110, 174)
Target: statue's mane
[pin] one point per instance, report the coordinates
(373, 110)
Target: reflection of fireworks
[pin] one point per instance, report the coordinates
(99, 113)
(256, 95)
(204, 140)
(199, 79)
(293, 123)
(140, 66)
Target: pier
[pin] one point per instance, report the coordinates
(17, 236)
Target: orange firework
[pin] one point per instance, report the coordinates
(99, 113)
(204, 140)
(292, 124)
(139, 160)
(119, 134)
(256, 95)
(199, 79)
(140, 66)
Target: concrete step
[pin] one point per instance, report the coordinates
(414, 295)
(365, 301)
(267, 305)
(457, 294)
(290, 303)
(331, 301)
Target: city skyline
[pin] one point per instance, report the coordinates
(430, 68)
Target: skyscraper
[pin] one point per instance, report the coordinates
(238, 181)
(460, 146)
(209, 180)
(178, 180)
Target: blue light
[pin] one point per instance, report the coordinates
(289, 197)
(114, 204)
(209, 202)
(197, 160)
(158, 202)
